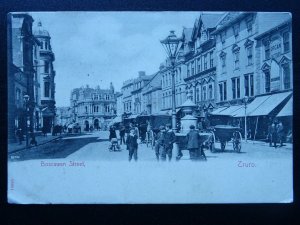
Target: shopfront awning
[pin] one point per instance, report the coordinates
(270, 104)
(117, 119)
(218, 110)
(170, 111)
(132, 116)
(251, 106)
(230, 110)
(287, 109)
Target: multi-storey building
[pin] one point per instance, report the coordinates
(132, 94)
(201, 64)
(120, 106)
(93, 106)
(151, 95)
(44, 85)
(20, 73)
(127, 96)
(138, 84)
(253, 59)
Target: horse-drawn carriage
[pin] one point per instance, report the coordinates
(225, 134)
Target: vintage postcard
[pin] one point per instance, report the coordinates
(150, 107)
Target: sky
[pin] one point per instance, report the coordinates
(96, 48)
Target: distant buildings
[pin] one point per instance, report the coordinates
(93, 106)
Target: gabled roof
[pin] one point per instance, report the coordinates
(187, 34)
(210, 20)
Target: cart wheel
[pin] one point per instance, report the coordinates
(223, 144)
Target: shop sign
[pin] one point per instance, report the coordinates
(275, 47)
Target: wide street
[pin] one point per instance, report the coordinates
(81, 169)
(94, 146)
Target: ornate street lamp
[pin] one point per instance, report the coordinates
(246, 98)
(172, 45)
(26, 101)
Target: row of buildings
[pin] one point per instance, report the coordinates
(31, 76)
(223, 58)
(227, 61)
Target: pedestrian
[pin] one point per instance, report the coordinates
(270, 134)
(33, 140)
(132, 144)
(19, 134)
(280, 131)
(112, 133)
(169, 139)
(159, 142)
(274, 134)
(122, 134)
(194, 144)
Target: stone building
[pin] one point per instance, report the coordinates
(44, 80)
(254, 76)
(93, 106)
(151, 95)
(201, 64)
(236, 56)
(132, 94)
(20, 73)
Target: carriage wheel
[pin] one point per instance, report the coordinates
(223, 144)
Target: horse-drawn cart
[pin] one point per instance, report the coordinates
(226, 133)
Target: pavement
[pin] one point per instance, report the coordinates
(41, 140)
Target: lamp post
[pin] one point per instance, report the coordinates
(172, 45)
(26, 100)
(245, 105)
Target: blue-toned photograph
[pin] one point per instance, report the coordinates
(150, 107)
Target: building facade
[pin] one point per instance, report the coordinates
(254, 60)
(20, 73)
(44, 80)
(201, 63)
(132, 94)
(93, 106)
(151, 95)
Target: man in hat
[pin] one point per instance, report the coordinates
(159, 142)
(169, 140)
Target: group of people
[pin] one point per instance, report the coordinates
(275, 134)
(164, 141)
